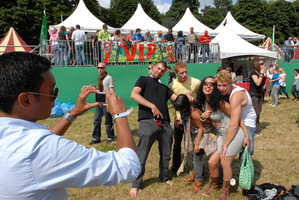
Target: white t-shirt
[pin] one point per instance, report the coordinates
(281, 82)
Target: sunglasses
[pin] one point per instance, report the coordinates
(100, 67)
(54, 95)
(149, 68)
(262, 63)
(208, 84)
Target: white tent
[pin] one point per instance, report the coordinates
(232, 45)
(141, 20)
(188, 20)
(237, 28)
(83, 17)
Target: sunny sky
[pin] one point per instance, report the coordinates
(164, 5)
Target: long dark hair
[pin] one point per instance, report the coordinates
(215, 99)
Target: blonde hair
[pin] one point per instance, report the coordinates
(281, 70)
(179, 65)
(224, 76)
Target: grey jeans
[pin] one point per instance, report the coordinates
(148, 133)
(197, 160)
(274, 94)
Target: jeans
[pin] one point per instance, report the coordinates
(295, 92)
(251, 131)
(283, 89)
(55, 50)
(206, 49)
(197, 160)
(100, 112)
(192, 49)
(257, 105)
(148, 133)
(274, 94)
(80, 51)
(63, 53)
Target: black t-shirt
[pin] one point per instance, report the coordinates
(169, 37)
(171, 76)
(253, 87)
(156, 93)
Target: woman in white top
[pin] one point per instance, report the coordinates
(159, 37)
(269, 77)
(295, 92)
(282, 83)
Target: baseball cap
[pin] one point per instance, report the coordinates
(206, 31)
(290, 38)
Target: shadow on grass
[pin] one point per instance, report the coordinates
(263, 125)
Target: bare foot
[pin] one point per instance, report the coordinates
(133, 192)
(170, 183)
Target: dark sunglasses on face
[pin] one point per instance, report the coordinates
(262, 63)
(54, 95)
(208, 84)
(100, 67)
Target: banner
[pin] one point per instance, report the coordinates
(141, 52)
(44, 32)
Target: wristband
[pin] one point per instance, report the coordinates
(201, 119)
(124, 114)
(68, 117)
(246, 137)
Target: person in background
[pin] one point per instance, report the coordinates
(95, 47)
(55, 46)
(218, 70)
(269, 77)
(71, 56)
(257, 82)
(239, 72)
(159, 37)
(295, 92)
(105, 82)
(130, 36)
(171, 75)
(169, 36)
(275, 88)
(234, 77)
(192, 39)
(64, 46)
(40, 163)
(180, 46)
(137, 37)
(104, 35)
(147, 36)
(79, 38)
(282, 82)
(288, 49)
(205, 48)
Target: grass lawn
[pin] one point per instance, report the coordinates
(275, 159)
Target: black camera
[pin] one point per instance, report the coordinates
(101, 97)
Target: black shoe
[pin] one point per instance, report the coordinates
(94, 142)
(109, 140)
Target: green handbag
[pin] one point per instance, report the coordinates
(246, 171)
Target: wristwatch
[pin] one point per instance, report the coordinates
(69, 117)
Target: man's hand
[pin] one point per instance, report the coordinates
(115, 104)
(156, 112)
(177, 122)
(82, 105)
(246, 142)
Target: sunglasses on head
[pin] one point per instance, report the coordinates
(208, 84)
(54, 95)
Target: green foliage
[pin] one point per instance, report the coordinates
(212, 17)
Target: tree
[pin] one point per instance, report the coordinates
(212, 17)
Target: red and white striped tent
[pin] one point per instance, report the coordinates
(13, 42)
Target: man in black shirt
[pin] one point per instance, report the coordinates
(171, 75)
(169, 37)
(154, 122)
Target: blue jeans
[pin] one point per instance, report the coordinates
(148, 133)
(55, 50)
(80, 53)
(63, 53)
(206, 49)
(251, 131)
(100, 112)
(283, 89)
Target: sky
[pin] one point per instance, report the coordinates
(164, 5)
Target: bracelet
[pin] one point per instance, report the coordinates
(124, 114)
(201, 119)
(68, 117)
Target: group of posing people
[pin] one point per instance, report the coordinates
(212, 108)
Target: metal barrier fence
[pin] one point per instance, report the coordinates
(61, 55)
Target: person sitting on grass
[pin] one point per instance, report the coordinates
(38, 163)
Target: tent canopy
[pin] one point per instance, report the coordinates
(229, 21)
(83, 17)
(13, 42)
(232, 45)
(141, 20)
(188, 20)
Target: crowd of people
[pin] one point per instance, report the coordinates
(220, 118)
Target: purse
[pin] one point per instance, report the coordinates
(246, 171)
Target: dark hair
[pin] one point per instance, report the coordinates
(297, 70)
(78, 26)
(181, 103)
(215, 98)
(117, 32)
(180, 34)
(105, 25)
(163, 63)
(20, 72)
(138, 29)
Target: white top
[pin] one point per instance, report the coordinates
(269, 75)
(37, 164)
(247, 112)
(296, 78)
(79, 37)
(281, 82)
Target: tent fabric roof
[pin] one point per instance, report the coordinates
(13, 42)
(240, 30)
(141, 20)
(84, 18)
(188, 20)
(232, 45)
